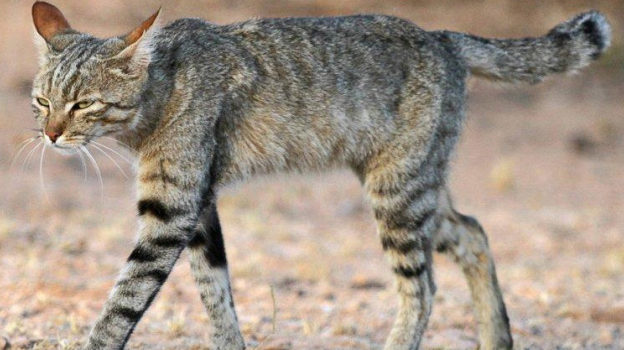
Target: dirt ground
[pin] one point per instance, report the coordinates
(540, 166)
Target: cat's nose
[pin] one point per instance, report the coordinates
(53, 135)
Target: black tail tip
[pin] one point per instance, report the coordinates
(595, 28)
(591, 27)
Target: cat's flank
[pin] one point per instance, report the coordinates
(205, 105)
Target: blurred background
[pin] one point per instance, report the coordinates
(540, 166)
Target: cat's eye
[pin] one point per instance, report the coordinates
(43, 102)
(82, 104)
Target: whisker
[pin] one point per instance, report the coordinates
(29, 139)
(117, 141)
(97, 169)
(112, 150)
(124, 145)
(84, 165)
(111, 158)
(41, 180)
(29, 155)
(23, 146)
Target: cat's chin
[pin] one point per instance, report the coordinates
(66, 151)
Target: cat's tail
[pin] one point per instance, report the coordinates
(567, 47)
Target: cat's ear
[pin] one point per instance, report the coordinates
(139, 43)
(48, 22)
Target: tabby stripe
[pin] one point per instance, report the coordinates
(127, 313)
(215, 254)
(68, 61)
(197, 241)
(133, 325)
(101, 344)
(400, 246)
(78, 82)
(157, 274)
(141, 254)
(128, 293)
(404, 203)
(215, 250)
(408, 271)
(395, 221)
(443, 247)
(165, 178)
(421, 190)
(168, 241)
(205, 280)
(158, 209)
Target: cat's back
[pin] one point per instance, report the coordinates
(300, 35)
(338, 34)
(340, 25)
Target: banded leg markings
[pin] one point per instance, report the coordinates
(127, 312)
(410, 272)
(142, 254)
(402, 245)
(210, 240)
(209, 267)
(406, 212)
(159, 210)
(463, 238)
(159, 275)
(168, 241)
(149, 250)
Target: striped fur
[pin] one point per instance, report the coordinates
(209, 267)
(206, 105)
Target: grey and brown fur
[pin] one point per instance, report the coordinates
(205, 105)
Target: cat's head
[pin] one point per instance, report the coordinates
(87, 87)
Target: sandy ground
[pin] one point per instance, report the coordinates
(541, 167)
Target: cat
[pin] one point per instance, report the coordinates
(206, 105)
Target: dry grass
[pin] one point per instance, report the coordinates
(540, 166)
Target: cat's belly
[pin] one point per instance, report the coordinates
(264, 144)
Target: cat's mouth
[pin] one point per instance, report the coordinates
(65, 149)
(64, 145)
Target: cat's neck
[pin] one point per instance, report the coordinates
(151, 105)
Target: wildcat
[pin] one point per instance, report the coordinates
(205, 105)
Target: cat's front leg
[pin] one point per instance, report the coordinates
(169, 204)
(210, 269)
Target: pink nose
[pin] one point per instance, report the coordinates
(53, 135)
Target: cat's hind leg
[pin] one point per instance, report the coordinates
(209, 268)
(463, 238)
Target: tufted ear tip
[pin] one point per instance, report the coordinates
(138, 32)
(48, 20)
